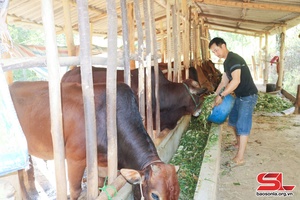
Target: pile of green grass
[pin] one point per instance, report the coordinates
(271, 103)
(189, 157)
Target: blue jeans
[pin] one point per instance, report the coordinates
(240, 116)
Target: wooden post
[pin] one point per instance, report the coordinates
(68, 29)
(297, 102)
(179, 41)
(111, 91)
(88, 99)
(203, 56)
(254, 68)
(196, 39)
(55, 99)
(281, 58)
(140, 61)
(162, 42)
(266, 72)
(156, 70)
(260, 58)
(207, 52)
(169, 40)
(148, 69)
(131, 32)
(126, 50)
(186, 43)
(175, 42)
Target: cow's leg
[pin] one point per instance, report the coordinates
(75, 174)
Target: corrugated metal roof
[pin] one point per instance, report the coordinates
(252, 17)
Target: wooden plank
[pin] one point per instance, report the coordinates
(288, 96)
(111, 91)
(23, 63)
(249, 5)
(55, 99)
(88, 99)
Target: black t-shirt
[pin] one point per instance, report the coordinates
(246, 86)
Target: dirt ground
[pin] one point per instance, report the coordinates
(274, 146)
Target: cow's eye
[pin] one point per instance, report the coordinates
(154, 196)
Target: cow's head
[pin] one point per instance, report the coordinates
(157, 181)
(197, 94)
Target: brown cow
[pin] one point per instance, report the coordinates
(210, 72)
(198, 75)
(136, 151)
(176, 99)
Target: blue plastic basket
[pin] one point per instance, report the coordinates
(220, 113)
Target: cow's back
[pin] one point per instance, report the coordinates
(31, 101)
(99, 75)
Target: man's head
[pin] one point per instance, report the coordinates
(218, 47)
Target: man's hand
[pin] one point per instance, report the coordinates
(218, 100)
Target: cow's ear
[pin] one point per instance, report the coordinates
(132, 176)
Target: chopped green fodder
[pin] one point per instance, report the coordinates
(189, 156)
(271, 103)
(206, 109)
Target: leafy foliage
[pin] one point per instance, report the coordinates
(206, 109)
(271, 103)
(189, 157)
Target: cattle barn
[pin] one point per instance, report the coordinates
(173, 34)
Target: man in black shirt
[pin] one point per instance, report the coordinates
(236, 78)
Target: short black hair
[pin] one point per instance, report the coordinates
(217, 40)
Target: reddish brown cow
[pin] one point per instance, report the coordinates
(198, 75)
(136, 151)
(176, 99)
(210, 72)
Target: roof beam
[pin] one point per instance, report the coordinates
(235, 31)
(236, 28)
(239, 20)
(262, 6)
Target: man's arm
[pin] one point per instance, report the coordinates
(223, 83)
(233, 84)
